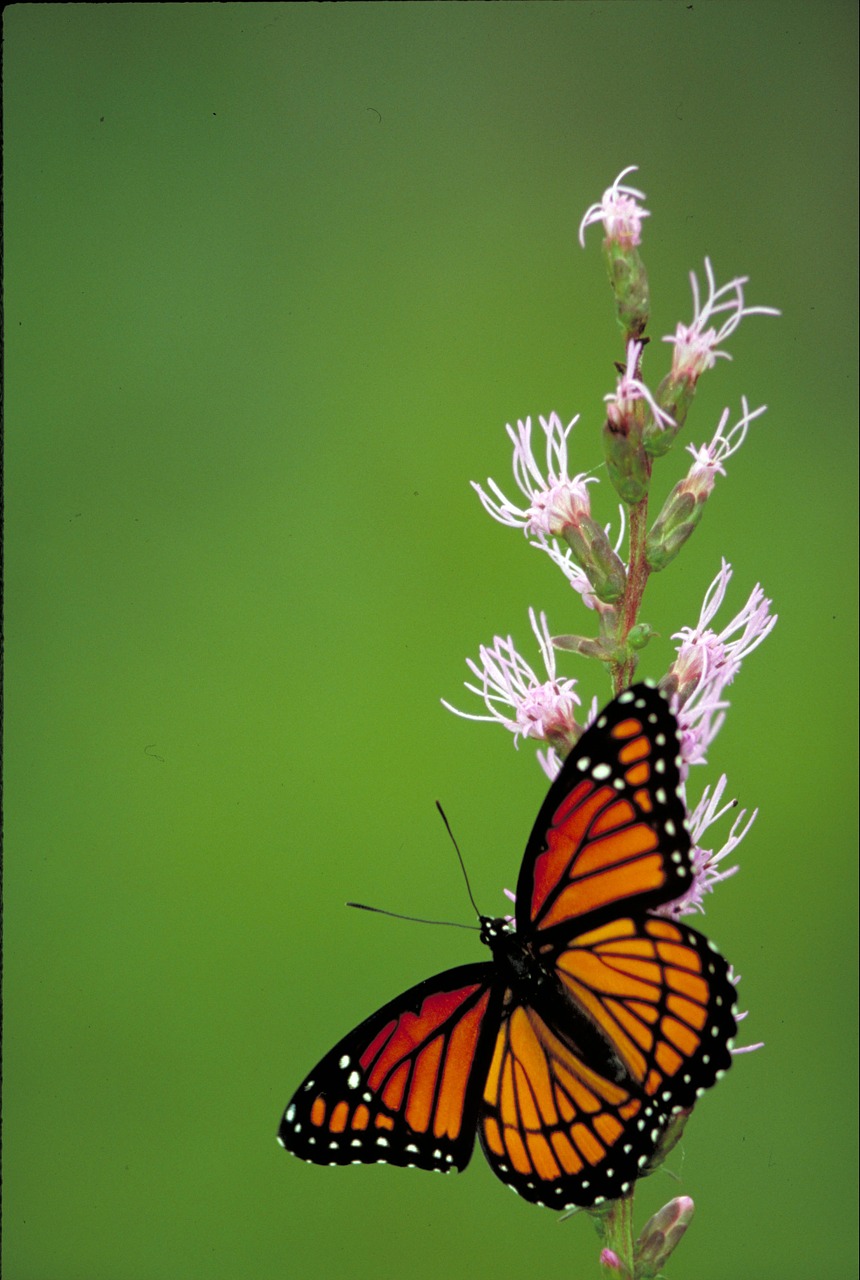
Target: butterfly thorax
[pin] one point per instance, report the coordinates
(522, 968)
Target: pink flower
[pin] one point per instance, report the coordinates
(557, 505)
(708, 661)
(618, 211)
(515, 695)
(706, 869)
(696, 344)
(620, 404)
(550, 760)
(555, 499)
(708, 459)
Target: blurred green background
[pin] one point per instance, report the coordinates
(276, 278)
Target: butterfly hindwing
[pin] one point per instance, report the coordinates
(557, 1132)
(404, 1086)
(611, 833)
(661, 997)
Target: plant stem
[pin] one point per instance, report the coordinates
(637, 577)
(617, 1232)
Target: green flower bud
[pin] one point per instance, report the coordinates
(628, 467)
(629, 281)
(681, 512)
(674, 395)
(593, 553)
(672, 1134)
(587, 647)
(639, 635)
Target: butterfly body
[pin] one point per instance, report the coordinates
(594, 1021)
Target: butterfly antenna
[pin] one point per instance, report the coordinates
(395, 915)
(460, 856)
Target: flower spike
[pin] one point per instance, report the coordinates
(588, 841)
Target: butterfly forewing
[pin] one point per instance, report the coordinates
(611, 833)
(403, 1087)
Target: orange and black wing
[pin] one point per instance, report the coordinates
(611, 835)
(404, 1087)
(566, 1126)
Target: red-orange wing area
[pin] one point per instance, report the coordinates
(559, 1132)
(612, 829)
(404, 1087)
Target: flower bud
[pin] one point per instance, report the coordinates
(626, 462)
(593, 553)
(622, 215)
(629, 281)
(681, 512)
(660, 1236)
(674, 395)
(639, 635)
(587, 647)
(670, 1137)
(613, 1264)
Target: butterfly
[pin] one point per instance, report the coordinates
(593, 1023)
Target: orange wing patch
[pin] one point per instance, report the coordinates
(599, 850)
(656, 990)
(555, 1130)
(660, 998)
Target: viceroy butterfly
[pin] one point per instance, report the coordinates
(594, 1022)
